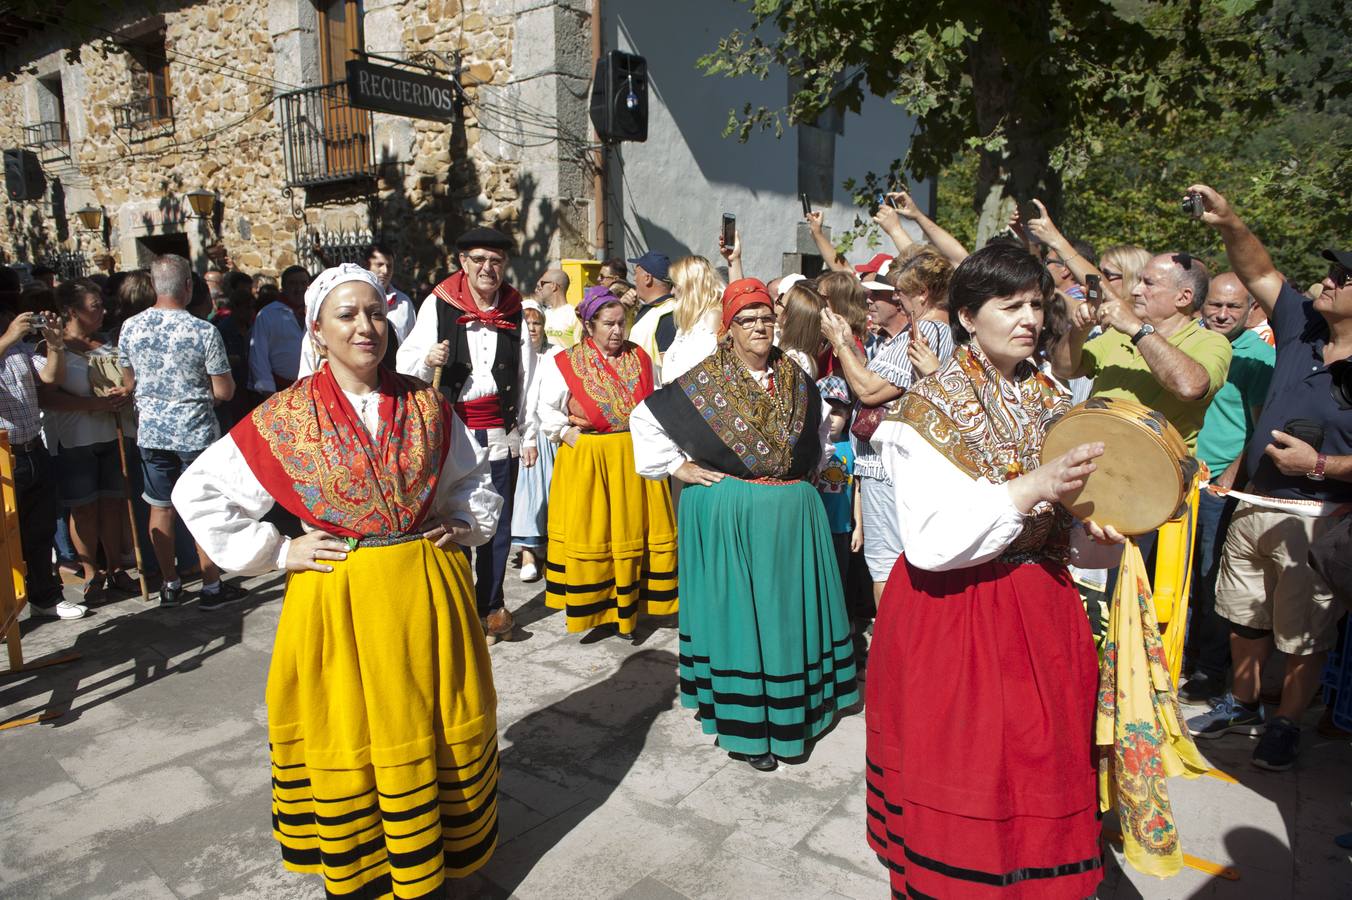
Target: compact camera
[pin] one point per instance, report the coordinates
(1192, 204)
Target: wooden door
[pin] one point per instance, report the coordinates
(347, 139)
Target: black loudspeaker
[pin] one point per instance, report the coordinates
(619, 100)
(23, 175)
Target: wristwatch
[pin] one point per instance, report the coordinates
(1320, 460)
(1146, 328)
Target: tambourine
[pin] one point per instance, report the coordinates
(1144, 475)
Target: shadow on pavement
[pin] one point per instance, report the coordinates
(549, 768)
(143, 646)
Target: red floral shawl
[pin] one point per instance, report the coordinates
(307, 447)
(606, 391)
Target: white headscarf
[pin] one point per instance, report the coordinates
(316, 294)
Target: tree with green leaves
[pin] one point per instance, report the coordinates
(1027, 86)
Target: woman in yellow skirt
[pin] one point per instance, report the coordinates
(381, 710)
(612, 534)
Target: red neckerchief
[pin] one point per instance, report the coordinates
(308, 449)
(455, 291)
(392, 299)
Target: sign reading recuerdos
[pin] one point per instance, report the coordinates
(385, 89)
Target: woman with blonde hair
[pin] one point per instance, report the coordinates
(1121, 265)
(699, 302)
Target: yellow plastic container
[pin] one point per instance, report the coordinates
(582, 274)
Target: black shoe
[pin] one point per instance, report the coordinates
(1201, 689)
(1279, 747)
(173, 596)
(766, 762)
(228, 594)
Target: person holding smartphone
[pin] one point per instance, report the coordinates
(1300, 484)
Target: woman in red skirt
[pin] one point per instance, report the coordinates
(982, 673)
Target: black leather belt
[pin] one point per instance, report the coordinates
(27, 446)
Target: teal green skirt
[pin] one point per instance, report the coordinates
(766, 653)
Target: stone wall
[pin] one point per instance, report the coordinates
(229, 61)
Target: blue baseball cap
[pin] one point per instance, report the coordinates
(655, 264)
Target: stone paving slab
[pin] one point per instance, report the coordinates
(155, 783)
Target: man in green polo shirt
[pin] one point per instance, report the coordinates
(1152, 350)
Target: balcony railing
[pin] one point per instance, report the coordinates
(45, 136)
(327, 140)
(145, 117)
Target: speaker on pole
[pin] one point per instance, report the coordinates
(23, 175)
(619, 100)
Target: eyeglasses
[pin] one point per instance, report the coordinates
(1055, 261)
(1110, 274)
(496, 262)
(750, 322)
(541, 285)
(1339, 274)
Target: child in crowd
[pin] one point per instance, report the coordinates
(841, 498)
(530, 512)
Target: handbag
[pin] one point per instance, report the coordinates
(866, 421)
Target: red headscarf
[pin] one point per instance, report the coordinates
(455, 291)
(742, 293)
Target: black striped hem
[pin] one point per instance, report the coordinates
(1029, 873)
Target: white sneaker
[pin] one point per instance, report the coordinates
(530, 572)
(63, 610)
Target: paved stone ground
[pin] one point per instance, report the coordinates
(155, 783)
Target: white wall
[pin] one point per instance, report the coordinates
(677, 184)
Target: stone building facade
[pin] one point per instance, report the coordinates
(128, 109)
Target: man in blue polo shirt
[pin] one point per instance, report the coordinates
(1300, 480)
(1226, 430)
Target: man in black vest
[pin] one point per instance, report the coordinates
(470, 329)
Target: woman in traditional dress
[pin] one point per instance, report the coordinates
(530, 509)
(982, 677)
(766, 656)
(381, 709)
(612, 535)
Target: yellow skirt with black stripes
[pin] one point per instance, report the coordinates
(612, 537)
(382, 724)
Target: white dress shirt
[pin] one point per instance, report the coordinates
(222, 502)
(689, 349)
(274, 346)
(483, 350)
(949, 520)
(657, 456)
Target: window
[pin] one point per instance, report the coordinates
(347, 131)
(150, 76)
(48, 131)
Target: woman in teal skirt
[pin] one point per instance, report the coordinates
(766, 656)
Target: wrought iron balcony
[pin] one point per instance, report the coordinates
(145, 117)
(327, 140)
(46, 136)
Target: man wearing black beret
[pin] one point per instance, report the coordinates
(470, 329)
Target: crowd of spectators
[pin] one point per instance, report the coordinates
(111, 386)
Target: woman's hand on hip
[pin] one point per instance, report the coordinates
(307, 552)
(453, 531)
(691, 473)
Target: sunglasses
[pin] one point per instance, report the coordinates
(1339, 275)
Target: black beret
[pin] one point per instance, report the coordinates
(485, 238)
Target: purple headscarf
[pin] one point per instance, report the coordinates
(593, 298)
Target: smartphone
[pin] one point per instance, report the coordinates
(1311, 431)
(807, 204)
(729, 229)
(1093, 289)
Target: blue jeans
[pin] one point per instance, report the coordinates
(1208, 643)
